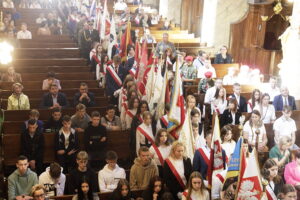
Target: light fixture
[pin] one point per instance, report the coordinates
(5, 52)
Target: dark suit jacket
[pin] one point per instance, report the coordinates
(33, 148)
(84, 101)
(171, 180)
(94, 37)
(128, 65)
(219, 59)
(48, 101)
(111, 85)
(278, 102)
(226, 118)
(242, 107)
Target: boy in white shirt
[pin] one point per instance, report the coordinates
(24, 33)
(285, 126)
(111, 173)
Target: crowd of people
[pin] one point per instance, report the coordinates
(160, 166)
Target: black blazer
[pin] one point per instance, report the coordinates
(128, 65)
(48, 101)
(170, 179)
(220, 60)
(33, 148)
(84, 101)
(59, 142)
(226, 118)
(242, 107)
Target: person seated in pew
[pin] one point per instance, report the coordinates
(95, 138)
(41, 18)
(38, 192)
(254, 101)
(51, 79)
(202, 156)
(143, 169)
(271, 88)
(80, 120)
(285, 126)
(231, 115)
(53, 180)
(54, 98)
(155, 190)
(111, 173)
(284, 99)
(291, 171)
(24, 34)
(35, 5)
(34, 114)
(18, 100)
(165, 44)
(207, 68)
(223, 57)
(32, 146)
(228, 144)
(11, 75)
(66, 144)
(54, 124)
(8, 4)
(85, 191)
(110, 121)
(148, 37)
(21, 180)
(266, 109)
(188, 70)
(230, 78)
(205, 83)
(122, 192)
(84, 96)
(255, 132)
(241, 101)
(280, 153)
(275, 181)
(81, 172)
(196, 188)
(211, 92)
(200, 60)
(43, 29)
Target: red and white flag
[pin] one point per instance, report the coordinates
(250, 185)
(105, 22)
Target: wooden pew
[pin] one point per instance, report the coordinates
(37, 44)
(50, 62)
(27, 53)
(45, 114)
(37, 85)
(53, 39)
(244, 88)
(99, 92)
(35, 103)
(56, 69)
(60, 76)
(11, 146)
(222, 69)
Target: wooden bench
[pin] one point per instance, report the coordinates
(37, 85)
(56, 69)
(50, 62)
(60, 76)
(99, 92)
(27, 53)
(117, 141)
(37, 44)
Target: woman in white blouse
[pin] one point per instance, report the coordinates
(219, 102)
(254, 101)
(266, 109)
(195, 188)
(161, 149)
(228, 144)
(254, 127)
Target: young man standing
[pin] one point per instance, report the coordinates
(21, 181)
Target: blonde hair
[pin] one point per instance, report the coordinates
(36, 188)
(174, 147)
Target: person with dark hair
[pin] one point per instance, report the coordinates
(85, 192)
(231, 115)
(266, 109)
(254, 101)
(96, 58)
(84, 96)
(111, 173)
(155, 189)
(219, 103)
(163, 121)
(223, 57)
(228, 144)
(199, 61)
(196, 118)
(51, 79)
(80, 173)
(195, 188)
(291, 172)
(288, 192)
(122, 192)
(32, 146)
(95, 137)
(130, 60)
(44, 29)
(110, 120)
(229, 188)
(101, 70)
(270, 173)
(54, 98)
(21, 180)
(54, 124)
(53, 180)
(88, 36)
(66, 144)
(34, 114)
(133, 105)
(241, 101)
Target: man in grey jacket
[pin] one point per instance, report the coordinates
(21, 180)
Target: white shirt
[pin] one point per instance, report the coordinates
(200, 141)
(198, 196)
(285, 100)
(49, 184)
(267, 113)
(250, 106)
(284, 127)
(198, 64)
(251, 132)
(140, 138)
(120, 6)
(221, 106)
(178, 165)
(66, 135)
(218, 185)
(23, 35)
(210, 94)
(128, 119)
(229, 80)
(228, 147)
(109, 179)
(203, 70)
(271, 91)
(164, 150)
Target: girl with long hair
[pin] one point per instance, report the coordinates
(195, 188)
(255, 100)
(122, 192)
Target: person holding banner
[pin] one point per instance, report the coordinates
(145, 132)
(161, 149)
(177, 170)
(195, 189)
